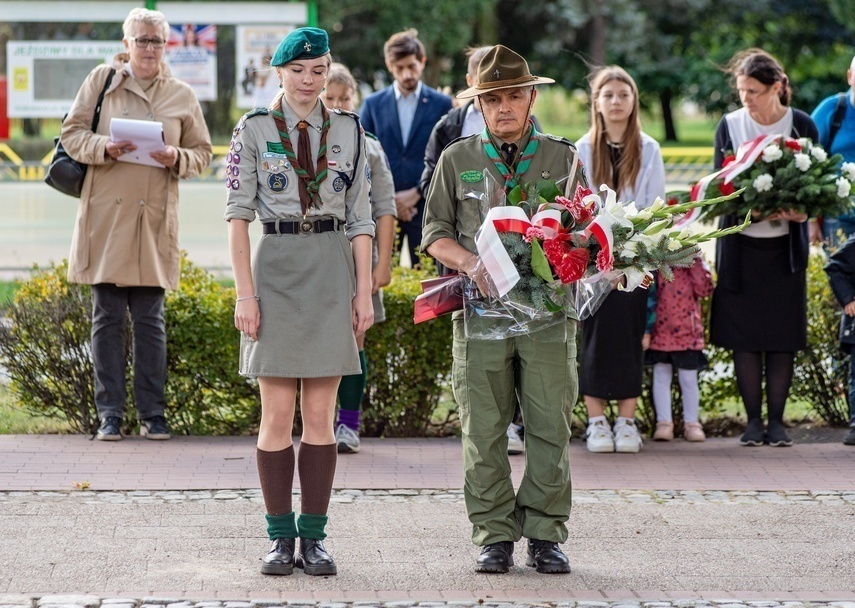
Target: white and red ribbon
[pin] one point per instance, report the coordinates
(745, 157)
(496, 260)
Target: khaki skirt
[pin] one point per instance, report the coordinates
(305, 285)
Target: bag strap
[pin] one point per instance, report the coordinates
(837, 119)
(96, 119)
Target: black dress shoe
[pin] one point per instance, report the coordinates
(109, 429)
(547, 557)
(280, 559)
(314, 559)
(496, 557)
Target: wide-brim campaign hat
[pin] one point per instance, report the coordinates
(501, 68)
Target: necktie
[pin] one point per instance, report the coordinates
(509, 152)
(304, 158)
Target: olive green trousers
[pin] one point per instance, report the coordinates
(487, 377)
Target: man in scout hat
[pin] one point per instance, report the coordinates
(540, 366)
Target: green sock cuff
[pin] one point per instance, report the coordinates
(351, 389)
(281, 526)
(312, 526)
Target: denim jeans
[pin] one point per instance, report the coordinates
(835, 230)
(109, 313)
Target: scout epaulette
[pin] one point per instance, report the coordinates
(372, 136)
(257, 112)
(560, 140)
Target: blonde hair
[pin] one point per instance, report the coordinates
(339, 74)
(148, 17)
(277, 101)
(629, 164)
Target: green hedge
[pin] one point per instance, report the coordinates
(45, 348)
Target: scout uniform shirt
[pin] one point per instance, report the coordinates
(261, 181)
(382, 185)
(460, 171)
(449, 213)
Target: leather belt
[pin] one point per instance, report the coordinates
(302, 226)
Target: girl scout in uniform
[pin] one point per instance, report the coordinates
(340, 92)
(307, 292)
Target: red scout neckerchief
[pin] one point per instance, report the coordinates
(309, 184)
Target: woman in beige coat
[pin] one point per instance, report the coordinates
(125, 240)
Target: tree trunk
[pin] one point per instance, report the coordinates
(597, 45)
(667, 116)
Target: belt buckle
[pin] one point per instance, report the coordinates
(307, 227)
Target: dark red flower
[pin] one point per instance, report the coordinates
(728, 160)
(792, 144)
(726, 189)
(567, 262)
(581, 193)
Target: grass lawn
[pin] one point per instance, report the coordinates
(16, 421)
(7, 291)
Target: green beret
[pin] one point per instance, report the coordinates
(302, 43)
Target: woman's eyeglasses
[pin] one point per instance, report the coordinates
(143, 43)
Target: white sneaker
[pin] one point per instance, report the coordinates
(515, 444)
(346, 439)
(627, 439)
(600, 437)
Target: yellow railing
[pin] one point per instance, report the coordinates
(682, 165)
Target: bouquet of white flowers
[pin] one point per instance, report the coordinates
(780, 173)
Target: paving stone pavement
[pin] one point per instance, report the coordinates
(402, 546)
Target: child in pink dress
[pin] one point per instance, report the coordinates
(677, 340)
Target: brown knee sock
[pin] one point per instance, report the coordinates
(276, 473)
(316, 465)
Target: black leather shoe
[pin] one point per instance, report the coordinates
(314, 559)
(154, 428)
(280, 559)
(496, 557)
(109, 429)
(547, 557)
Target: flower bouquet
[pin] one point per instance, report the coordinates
(548, 254)
(780, 173)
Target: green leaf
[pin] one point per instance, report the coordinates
(539, 263)
(515, 196)
(548, 190)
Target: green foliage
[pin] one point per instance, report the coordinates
(409, 366)
(821, 370)
(45, 347)
(204, 392)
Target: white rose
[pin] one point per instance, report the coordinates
(805, 143)
(848, 170)
(763, 183)
(802, 161)
(843, 187)
(819, 154)
(772, 153)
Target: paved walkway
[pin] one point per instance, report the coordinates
(181, 522)
(55, 462)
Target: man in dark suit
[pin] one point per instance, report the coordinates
(402, 117)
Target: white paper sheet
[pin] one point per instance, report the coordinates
(146, 135)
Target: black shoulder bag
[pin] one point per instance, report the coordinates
(64, 173)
